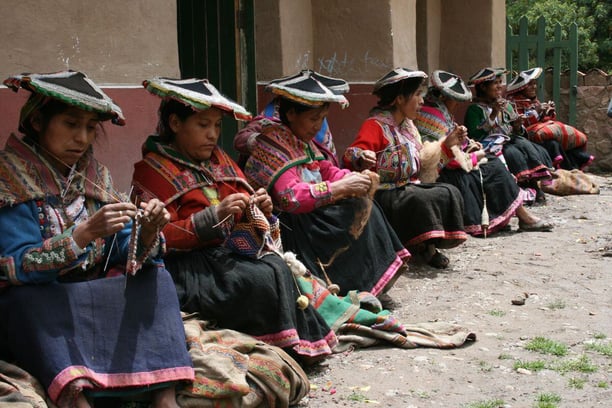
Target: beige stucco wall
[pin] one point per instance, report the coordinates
(360, 40)
(268, 50)
(428, 25)
(473, 35)
(403, 33)
(113, 41)
(353, 40)
(296, 34)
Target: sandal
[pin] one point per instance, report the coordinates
(439, 260)
(539, 225)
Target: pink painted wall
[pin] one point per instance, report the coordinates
(120, 148)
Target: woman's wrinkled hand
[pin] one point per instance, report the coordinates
(263, 201)
(498, 106)
(456, 137)
(352, 185)
(366, 160)
(517, 124)
(154, 218)
(233, 204)
(107, 221)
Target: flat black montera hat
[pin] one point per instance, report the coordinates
(521, 81)
(198, 93)
(310, 88)
(486, 74)
(398, 74)
(450, 85)
(71, 87)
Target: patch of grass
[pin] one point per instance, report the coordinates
(547, 401)
(605, 349)
(484, 366)
(421, 394)
(356, 396)
(599, 336)
(504, 356)
(495, 403)
(497, 313)
(602, 384)
(557, 304)
(530, 365)
(581, 364)
(547, 346)
(577, 383)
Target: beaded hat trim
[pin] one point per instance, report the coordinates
(198, 93)
(310, 88)
(71, 87)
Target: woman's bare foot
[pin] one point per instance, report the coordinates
(164, 398)
(81, 401)
(529, 222)
(525, 217)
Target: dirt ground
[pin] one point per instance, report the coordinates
(566, 277)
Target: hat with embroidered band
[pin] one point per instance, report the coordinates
(398, 74)
(521, 81)
(71, 87)
(450, 85)
(198, 93)
(310, 88)
(486, 74)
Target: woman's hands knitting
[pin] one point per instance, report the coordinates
(352, 185)
(263, 201)
(154, 218)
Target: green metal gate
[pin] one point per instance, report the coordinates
(216, 40)
(526, 50)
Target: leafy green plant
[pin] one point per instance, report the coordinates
(577, 383)
(530, 365)
(495, 403)
(547, 401)
(602, 384)
(356, 396)
(556, 305)
(591, 16)
(605, 349)
(547, 346)
(497, 313)
(484, 366)
(581, 364)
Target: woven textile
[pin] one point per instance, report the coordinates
(24, 176)
(278, 150)
(255, 235)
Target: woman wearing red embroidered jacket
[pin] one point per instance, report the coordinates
(425, 216)
(565, 144)
(230, 280)
(327, 217)
(71, 316)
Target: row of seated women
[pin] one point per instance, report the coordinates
(263, 250)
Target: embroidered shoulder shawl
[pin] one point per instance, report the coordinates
(26, 176)
(277, 150)
(183, 175)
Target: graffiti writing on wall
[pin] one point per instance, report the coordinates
(340, 63)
